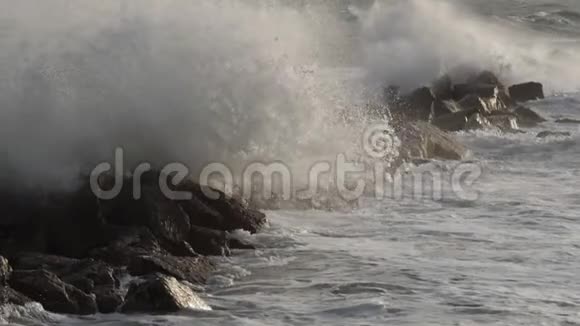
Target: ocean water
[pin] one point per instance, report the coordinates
(508, 257)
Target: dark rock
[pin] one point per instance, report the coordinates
(545, 134)
(236, 243)
(84, 274)
(477, 122)
(223, 213)
(126, 244)
(161, 294)
(54, 294)
(527, 117)
(419, 105)
(442, 88)
(568, 121)
(109, 299)
(11, 296)
(452, 121)
(164, 217)
(526, 92)
(88, 275)
(473, 104)
(5, 271)
(195, 270)
(441, 108)
(209, 241)
(505, 122)
(74, 225)
(480, 90)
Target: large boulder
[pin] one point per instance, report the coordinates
(441, 108)
(421, 140)
(88, 275)
(418, 105)
(54, 294)
(453, 121)
(526, 92)
(477, 122)
(209, 241)
(195, 270)
(504, 122)
(161, 294)
(527, 117)
(223, 213)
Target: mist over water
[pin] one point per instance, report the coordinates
(409, 43)
(226, 81)
(168, 81)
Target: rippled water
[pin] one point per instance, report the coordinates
(508, 258)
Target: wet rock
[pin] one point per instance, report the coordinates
(125, 244)
(54, 294)
(526, 92)
(423, 140)
(527, 117)
(477, 122)
(5, 271)
(209, 241)
(452, 121)
(11, 296)
(223, 213)
(441, 108)
(109, 299)
(473, 103)
(505, 122)
(195, 270)
(568, 121)
(84, 274)
(161, 294)
(162, 216)
(545, 134)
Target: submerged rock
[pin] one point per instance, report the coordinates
(568, 121)
(161, 294)
(526, 92)
(545, 134)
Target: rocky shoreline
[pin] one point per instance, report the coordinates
(71, 251)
